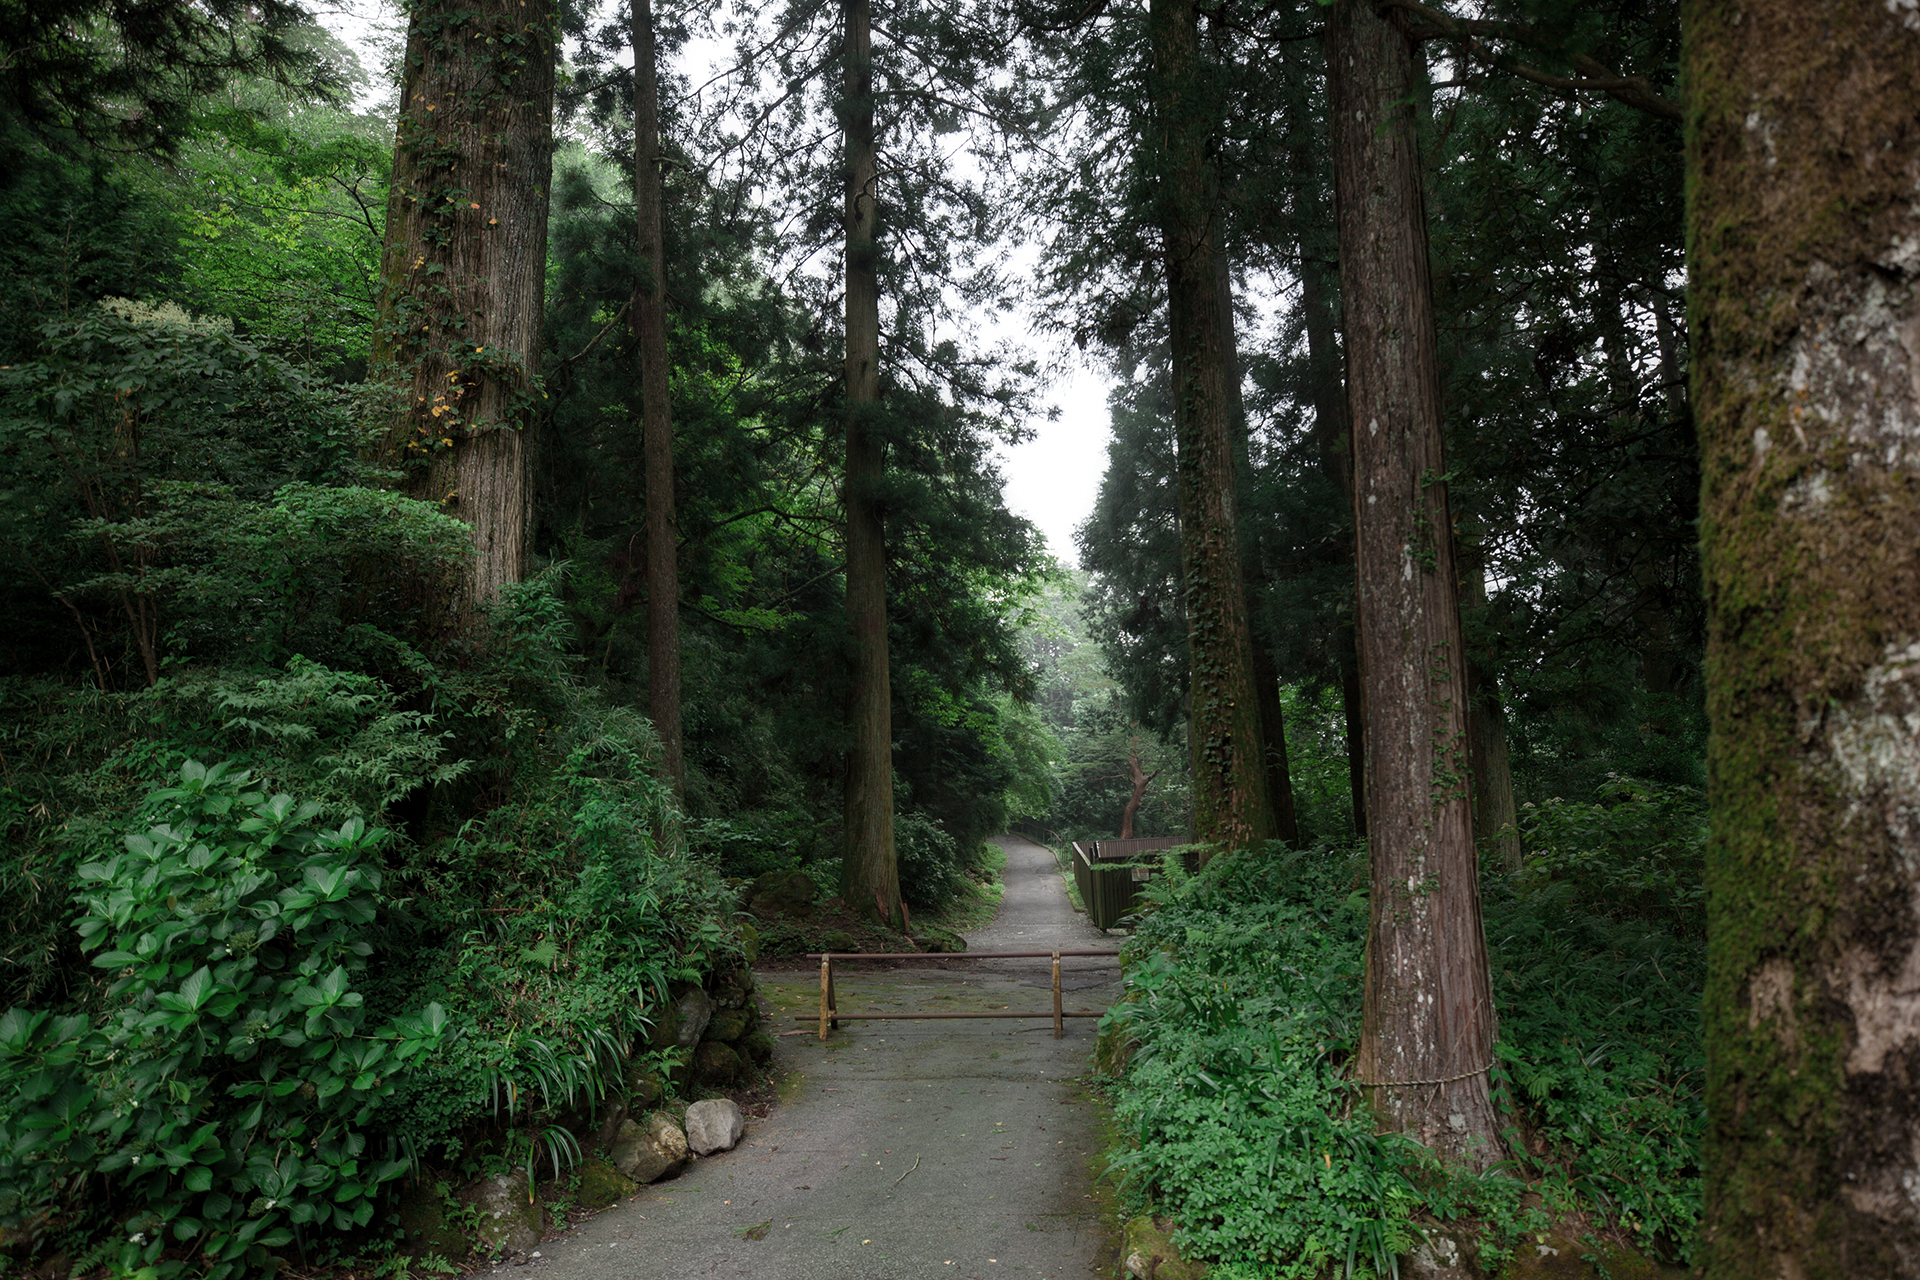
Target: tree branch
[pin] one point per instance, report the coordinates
(1470, 35)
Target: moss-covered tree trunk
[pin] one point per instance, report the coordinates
(1427, 1038)
(1803, 177)
(649, 320)
(1230, 801)
(869, 874)
(464, 269)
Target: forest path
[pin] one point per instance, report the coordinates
(960, 1149)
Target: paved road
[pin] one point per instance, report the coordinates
(902, 1149)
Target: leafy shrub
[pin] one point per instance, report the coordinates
(1637, 849)
(552, 928)
(1243, 1002)
(1244, 1006)
(929, 860)
(1599, 959)
(225, 1084)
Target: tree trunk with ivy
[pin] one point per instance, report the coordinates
(649, 320)
(464, 272)
(1428, 1032)
(869, 873)
(1231, 804)
(1803, 164)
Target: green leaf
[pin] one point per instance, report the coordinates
(199, 1178)
(198, 987)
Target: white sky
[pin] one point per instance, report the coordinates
(1052, 479)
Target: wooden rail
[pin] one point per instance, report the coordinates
(831, 1017)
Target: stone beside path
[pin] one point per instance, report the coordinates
(900, 1149)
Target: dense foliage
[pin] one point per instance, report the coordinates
(407, 896)
(1238, 1114)
(312, 885)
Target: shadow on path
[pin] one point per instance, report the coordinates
(900, 1149)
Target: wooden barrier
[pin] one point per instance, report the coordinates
(830, 1016)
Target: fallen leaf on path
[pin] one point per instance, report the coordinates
(757, 1232)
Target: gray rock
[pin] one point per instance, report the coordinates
(1439, 1257)
(643, 1088)
(715, 1125)
(509, 1218)
(649, 1153)
(694, 1010)
(609, 1125)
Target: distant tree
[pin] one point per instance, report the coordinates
(131, 74)
(1803, 245)
(464, 271)
(868, 870)
(649, 321)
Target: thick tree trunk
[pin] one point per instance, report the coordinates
(656, 407)
(869, 876)
(1427, 1039)
(1803, 160)
(1266, 676)
(1230, 801)
(464, 271)
(1329, 393)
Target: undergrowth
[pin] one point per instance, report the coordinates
(1229, 1056)
(977, 893)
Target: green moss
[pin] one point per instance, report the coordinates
(424, 1227)
(601, 1184)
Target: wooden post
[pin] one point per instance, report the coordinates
(833, 1001)
(1057, 1030)
(826, 985)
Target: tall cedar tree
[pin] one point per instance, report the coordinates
(1231, 804)
(1327, 393)
(868, 871)
(1803, 159)
(464, 270)
(1254, 584)
(1428, 1033)
(656, 406)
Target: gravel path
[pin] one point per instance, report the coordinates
(900, 1149)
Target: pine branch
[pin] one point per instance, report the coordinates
(1471, 34)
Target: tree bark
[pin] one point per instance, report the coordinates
(1803, 159)
(656, 407)
(1428, 1033)
(1266, 676)
(464, 273)
(869, 875)
(1231, 804)
(1140, 780)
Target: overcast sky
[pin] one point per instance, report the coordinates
(1052, 479)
